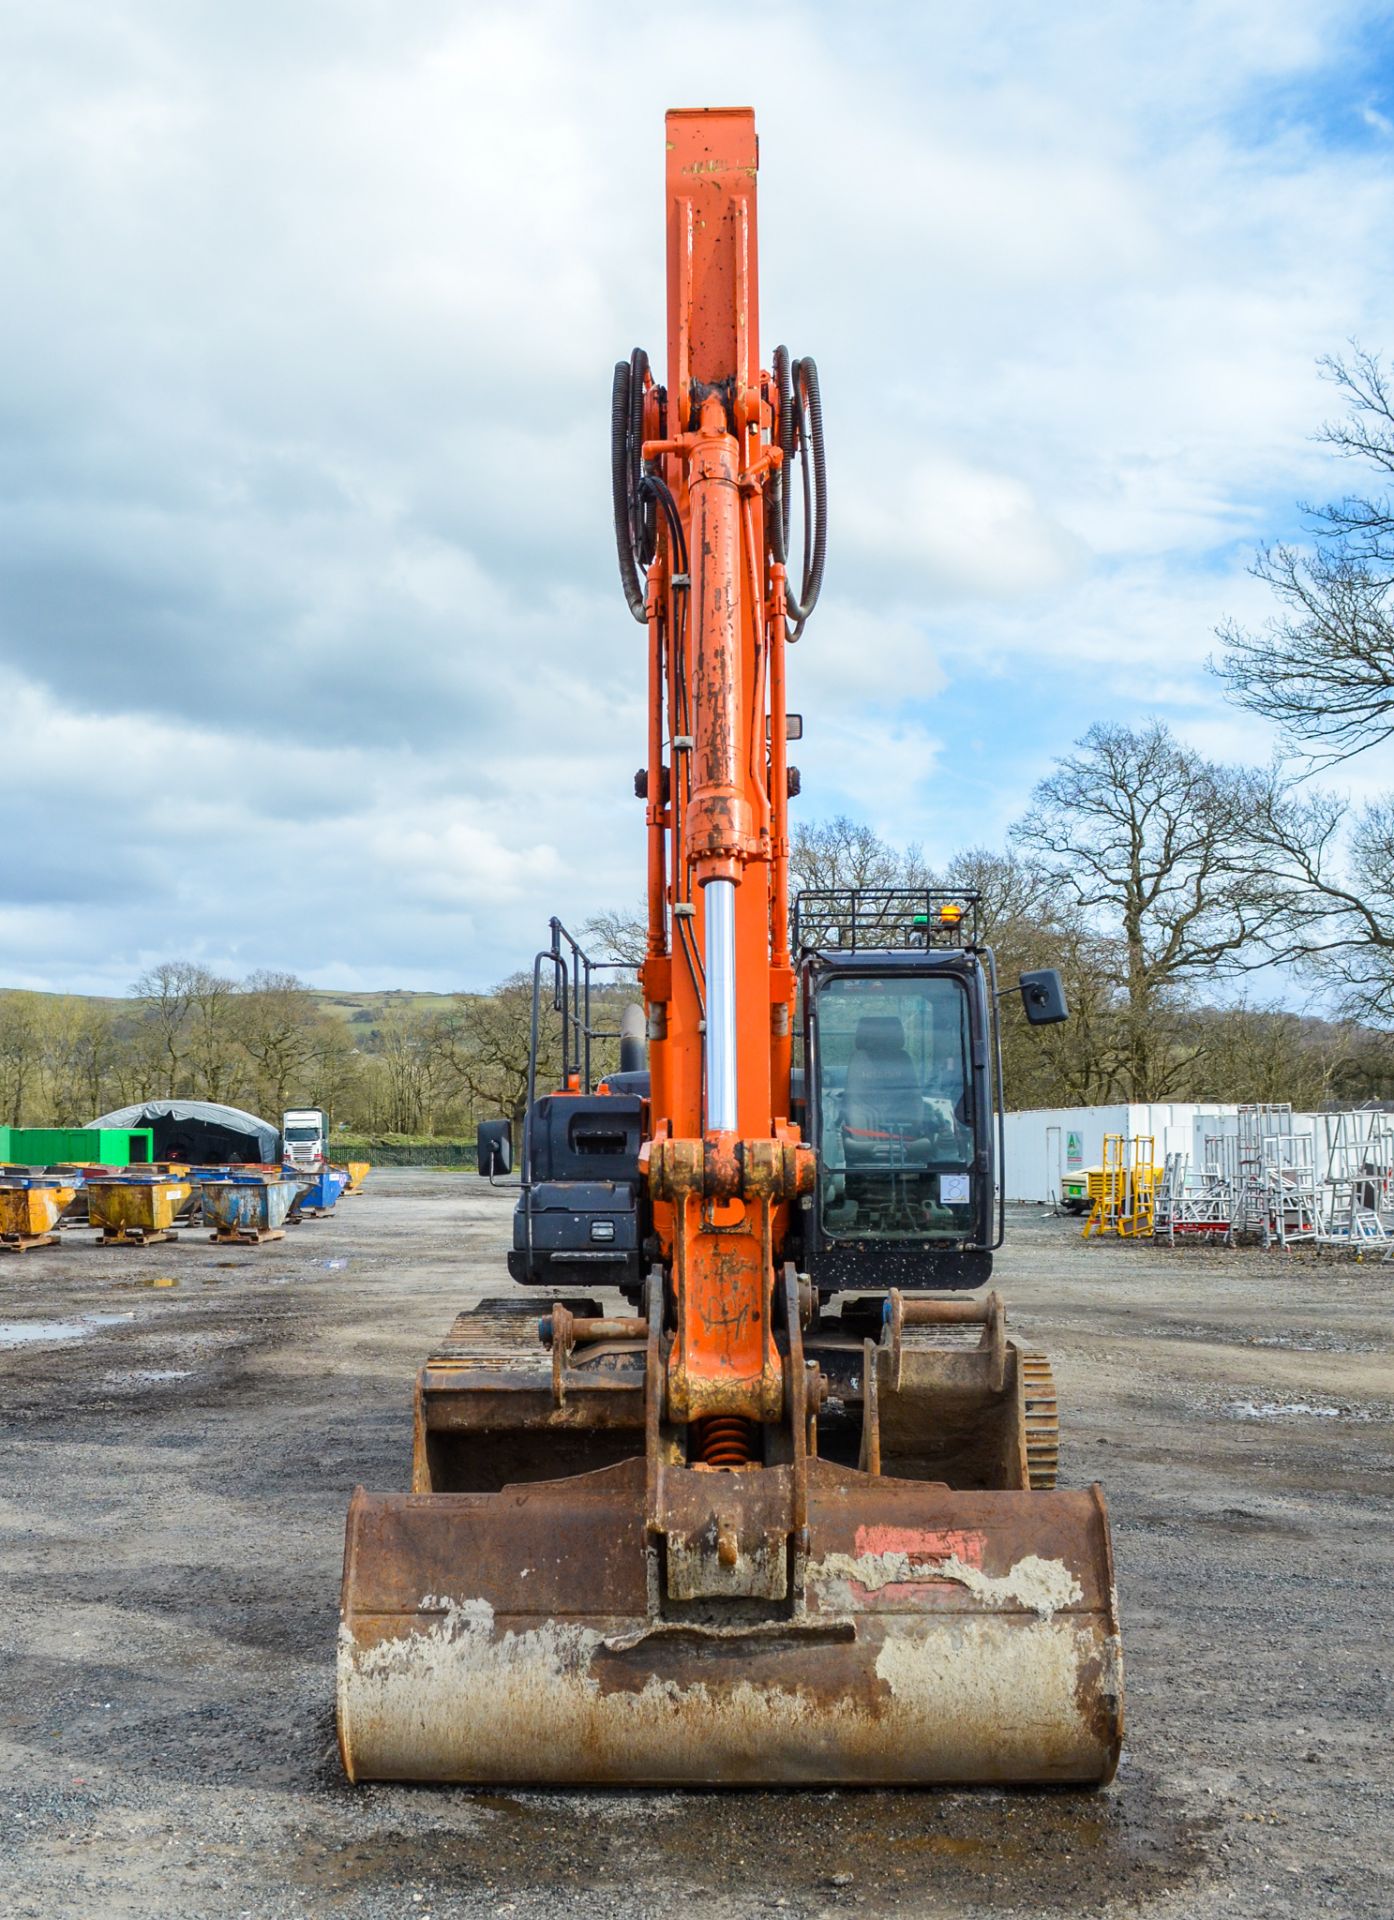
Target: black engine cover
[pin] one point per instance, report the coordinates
(577, 1233)
(579, 1221)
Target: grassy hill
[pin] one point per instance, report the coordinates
(364, 1009)
(367, 1009)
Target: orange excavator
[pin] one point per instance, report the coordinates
(782, 1508)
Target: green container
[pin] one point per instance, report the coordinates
(70, 1146)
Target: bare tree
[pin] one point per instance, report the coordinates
(842, 852)
(411, 1058)
(21, 1053)
(276, 1021)
(1323, 669)
(1336, 869)
(826, 855)
(1150, 842)
(617, 935)
(81, 1048)
(402, 1069)
(1018, 900)
(215, 1056)
(1030, 920)
(493, 1061)
(167, 992)
(1272, 1053)
(333, 1067)
(1323, 666)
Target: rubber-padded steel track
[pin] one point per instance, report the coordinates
(1042, 1421)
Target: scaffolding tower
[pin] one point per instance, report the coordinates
(1269, 1182)
(1195, 1206)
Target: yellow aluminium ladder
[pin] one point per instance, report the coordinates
(1124, 1189)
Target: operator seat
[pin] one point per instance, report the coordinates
(882, 1104)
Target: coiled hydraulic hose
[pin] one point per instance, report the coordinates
(784, 389)
(634, 509)
(638, 495)
(801, 432)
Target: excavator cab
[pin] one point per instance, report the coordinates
(900, 1108)
(902, 1087)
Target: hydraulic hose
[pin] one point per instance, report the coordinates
(808, 410)
(641, 511)
(784, 389)
(619, 490)
(635, 521)
(653, 487)
(801, 431)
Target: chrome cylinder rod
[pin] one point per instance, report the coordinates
(720, 1050)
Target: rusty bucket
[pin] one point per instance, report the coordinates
(936, 1636)
(133, 1210)
(30, 1211)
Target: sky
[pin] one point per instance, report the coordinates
(314, 656)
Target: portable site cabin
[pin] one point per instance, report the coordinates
(1044, 1144)
(98, 1145)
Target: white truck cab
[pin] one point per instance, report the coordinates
(305, 1136)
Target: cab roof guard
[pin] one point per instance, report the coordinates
(905, 919)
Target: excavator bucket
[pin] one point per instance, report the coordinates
(944, 1636)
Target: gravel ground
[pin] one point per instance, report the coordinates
(176, 1464)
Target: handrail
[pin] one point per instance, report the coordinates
(573, 971)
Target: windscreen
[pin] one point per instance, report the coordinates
(896, 1120)
(302, 1133)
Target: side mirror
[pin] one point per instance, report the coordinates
(494, 1146)
(1043, 996)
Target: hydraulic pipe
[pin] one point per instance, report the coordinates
(720, 1051)
(718, 821)
(655, 810)
(781, 1026)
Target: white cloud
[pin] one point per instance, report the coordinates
(304, 521)
(963, 531)
(853, 656)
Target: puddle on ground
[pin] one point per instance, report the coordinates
(1311, 1343)
(1071, 1848)
(1291, 1410)
(48, 1333)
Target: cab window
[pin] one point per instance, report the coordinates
(895, 1122)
